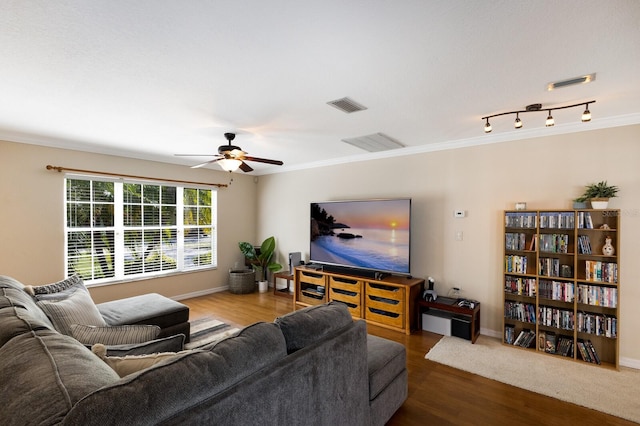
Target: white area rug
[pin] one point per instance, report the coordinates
(208, 330)
(612, 392)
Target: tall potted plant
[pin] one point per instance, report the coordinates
(599, 194)
(262, 260)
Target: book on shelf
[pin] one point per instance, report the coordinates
(515, 241)
(601, 271)
(557, 220)
(588, 352)
(541, 340)
(597, 295)
(565, 346)
(520, 285)
(550, 343)
(521, 220)
(584, 220)
(592, 352)
(598, 324)
(509, 334)
(525, 338)
(584, 244)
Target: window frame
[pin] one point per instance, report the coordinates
(120, 250)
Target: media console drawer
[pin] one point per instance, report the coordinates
(347, 291)
(385, 304)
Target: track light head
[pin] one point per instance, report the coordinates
(586, 115)
(518, 123)
(550, 121)
(487, 127)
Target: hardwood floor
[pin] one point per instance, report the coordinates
(438, 395)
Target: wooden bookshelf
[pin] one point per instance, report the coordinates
(561, 293)
(389, 302)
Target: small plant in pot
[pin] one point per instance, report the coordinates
(599, 194)
(580, 202)
(262, 260)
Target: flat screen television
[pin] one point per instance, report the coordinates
(370, 235)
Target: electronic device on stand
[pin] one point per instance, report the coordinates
(430, 294)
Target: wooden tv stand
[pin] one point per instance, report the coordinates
(388, 302)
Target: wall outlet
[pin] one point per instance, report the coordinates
(459, 213)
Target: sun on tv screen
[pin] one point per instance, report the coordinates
(367, 234)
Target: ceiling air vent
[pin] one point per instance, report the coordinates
(570, 82)
(347, 105)
(374, 143)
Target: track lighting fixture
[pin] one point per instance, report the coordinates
(586, 115)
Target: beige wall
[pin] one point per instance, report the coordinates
(32, 215)
(547, 173)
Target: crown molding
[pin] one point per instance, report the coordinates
(484, 139)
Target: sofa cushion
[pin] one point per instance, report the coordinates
(151, 308)
(303, 327)
(9, 282)
(24, 309)
(129, 364)
(55, 372)
(67, 302)
(114, 335)
(18, 298)
(386, 359)
(15, 321)
(166, 389)
(166, 344)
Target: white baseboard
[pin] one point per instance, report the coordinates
(630, 362)
(200, 293)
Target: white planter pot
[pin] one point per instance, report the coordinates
(263, 286)
(600, 204)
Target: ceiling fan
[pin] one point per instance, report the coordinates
(231, 157)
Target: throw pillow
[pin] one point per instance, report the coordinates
(114, 335)
(132, 363)
(167, 344)
(67, 302)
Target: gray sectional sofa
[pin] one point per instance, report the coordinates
(315, 366)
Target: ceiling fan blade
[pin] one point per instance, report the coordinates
(195, 155)
(245, 167)
(263, 160)
(197, 166)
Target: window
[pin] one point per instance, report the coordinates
(123, 229)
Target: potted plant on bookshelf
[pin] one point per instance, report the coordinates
(262, 260)
(599, 194)
(580, 203)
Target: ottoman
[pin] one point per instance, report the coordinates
(388, 378)
(150, 309)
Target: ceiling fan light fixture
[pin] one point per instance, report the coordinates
(229, 164)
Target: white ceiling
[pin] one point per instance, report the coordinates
(151, 78)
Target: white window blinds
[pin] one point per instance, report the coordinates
(123, 229)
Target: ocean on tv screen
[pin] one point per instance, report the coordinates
(378, 249)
